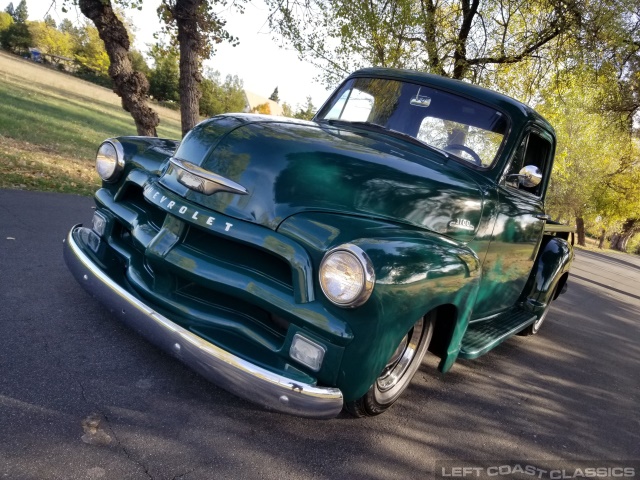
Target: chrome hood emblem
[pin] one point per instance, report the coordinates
(203, 181)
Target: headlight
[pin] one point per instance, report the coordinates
(110, 160)
(347, 276)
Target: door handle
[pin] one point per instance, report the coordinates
(544, 217)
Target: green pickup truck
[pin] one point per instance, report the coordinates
(308, 266)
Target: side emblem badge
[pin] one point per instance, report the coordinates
(461, 224)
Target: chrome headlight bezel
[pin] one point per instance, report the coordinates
(368, 275)
(112, 164)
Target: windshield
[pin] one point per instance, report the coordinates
(468, 130)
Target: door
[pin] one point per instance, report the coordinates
(518, 230)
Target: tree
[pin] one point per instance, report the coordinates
(164, 79)
(16, 38)
(287, 111)
(68, 27)
(307, 111)
(10, 9)
(130, 85)
(196, 28)
(620, 241)
(139, 63)
(455, 38)
(50, 22)
(50, 40)
(20, 15)
(594, 170)
(193, 26)
(274, 96)
(233, 94)
(263, 108)
(90, 51)
(221, 97)
(6, 20)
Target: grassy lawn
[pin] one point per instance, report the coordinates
(51, 125)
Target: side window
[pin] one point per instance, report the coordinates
(535, 150)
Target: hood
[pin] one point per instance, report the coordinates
(289, 167)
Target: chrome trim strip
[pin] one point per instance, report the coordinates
(230, 372)
(212, 182)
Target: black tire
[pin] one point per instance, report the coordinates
(397, 375)
(534, 328)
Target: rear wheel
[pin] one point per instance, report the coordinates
(398, 372)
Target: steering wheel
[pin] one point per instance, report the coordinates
(464, 148)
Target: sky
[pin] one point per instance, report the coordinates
(258, 60)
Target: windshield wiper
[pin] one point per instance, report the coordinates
(379, 128)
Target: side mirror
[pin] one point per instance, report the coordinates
(530, 176)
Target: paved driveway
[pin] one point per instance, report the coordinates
(83, 397)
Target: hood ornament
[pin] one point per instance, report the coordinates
(203, 181)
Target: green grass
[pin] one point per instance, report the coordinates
(49, 132)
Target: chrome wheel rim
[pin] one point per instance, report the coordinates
(395, 370)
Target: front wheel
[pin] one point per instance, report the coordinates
(398, 372)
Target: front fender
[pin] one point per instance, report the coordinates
(416, 272)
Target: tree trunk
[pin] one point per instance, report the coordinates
(580, 228)
(460, 65)
(130, 85)
(190, 40)
(602, 237)
(620, 240)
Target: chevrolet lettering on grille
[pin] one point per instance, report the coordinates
(181, 210)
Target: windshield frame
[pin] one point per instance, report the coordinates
(344, 86)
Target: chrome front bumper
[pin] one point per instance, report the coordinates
(230, 372)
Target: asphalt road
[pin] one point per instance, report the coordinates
(83, 397)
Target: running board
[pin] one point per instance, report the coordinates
(483, 336)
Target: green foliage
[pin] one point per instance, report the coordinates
(221, 97)
(596, 170)
(274, 96)
(164, 79)
(50, 22)
(210, 27)
(16, 38)
(68, 27)
(10, 9)
(139, 63)
(6, 20)
(287, 111)
(456, 38)
(50, 40)
(89, 51)
(20, 14)
(305, 112)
